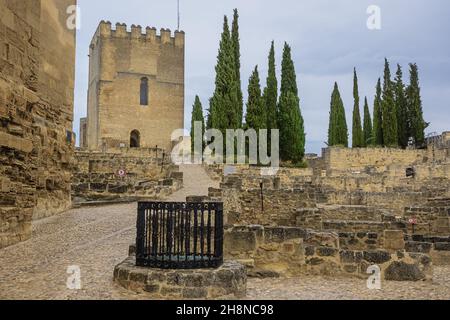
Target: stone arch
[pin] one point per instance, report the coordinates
(135, 139)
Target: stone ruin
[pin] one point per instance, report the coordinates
(352, 208)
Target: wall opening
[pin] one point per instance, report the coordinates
(144, 92)
(135, 139)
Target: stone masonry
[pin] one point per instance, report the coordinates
(136, 87)
(37, 61)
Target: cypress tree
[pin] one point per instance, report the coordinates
(290, 120)
(237, 61)
(271, 96)
(357, 133)
(414, 101)
(256, 114)
(390, 130)
(401, 106)
(337, 131)
(223, 110)
(368, 130)
(378, 137)
(197, 115)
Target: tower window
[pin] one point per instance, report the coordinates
(144, 92)
(135, 139)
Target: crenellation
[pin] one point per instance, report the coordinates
(121, 31)
(165, 36)
(151, 34)
(105, 29)
(179, 38)
(136, 32)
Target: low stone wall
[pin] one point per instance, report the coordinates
(431, 220)
(346, 159)
(287, 251)
(227, 282)
(112, 176)
(437, 247)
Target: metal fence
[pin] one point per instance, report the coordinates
(174, 235)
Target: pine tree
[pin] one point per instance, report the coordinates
(390, 130)
(256, 113)
(237, 61)
(223, 111)
(401, 106)
(290, 120)
(368, 130)
(414, 101)
(357, 133)
(378, 137)
(271, 96)
(197, 116)
(338, 130)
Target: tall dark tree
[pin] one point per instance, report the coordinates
(414, 100)
(271, 96)
(223, 111)
(401, 106)
(378, 136)
(271, 91)
(290, 120)
(197, 116)
(338, 130)
(237, 60)
(368, 130)
(256, 114)
(390, 130)
(357, 132)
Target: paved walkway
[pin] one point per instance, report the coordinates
(97, 238)
(196, 183)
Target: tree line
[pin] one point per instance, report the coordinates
(397, 114)
(266, 108)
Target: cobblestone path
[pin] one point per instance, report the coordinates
(97, 238)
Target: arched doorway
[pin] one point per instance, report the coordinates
(135, 139)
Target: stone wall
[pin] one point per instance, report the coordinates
(379, 159)
(124, 175)
(119, 60)
(283, 251)
(37, 61)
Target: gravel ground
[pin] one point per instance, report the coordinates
(97, 238)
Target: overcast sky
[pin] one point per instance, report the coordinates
(328, 38)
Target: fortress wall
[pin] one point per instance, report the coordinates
(37, 58)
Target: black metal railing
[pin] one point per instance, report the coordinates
(174, 235)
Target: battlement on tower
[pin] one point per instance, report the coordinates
(137, 33)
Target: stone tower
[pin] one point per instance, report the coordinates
(136, 87)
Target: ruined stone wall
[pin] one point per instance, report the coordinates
(53, 116)
(283, 251)
(130, 174)
(37, 57)
(339, 160)
(119, 59)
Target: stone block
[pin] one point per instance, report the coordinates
(442, 246)
(242, 241)
(377, 257)
(326, 252)
(394, 240)
(415, 246)
(5, 185)
(401, 271)
(13, 142)
(195, 293)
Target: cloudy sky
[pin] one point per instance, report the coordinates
(328, 39)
